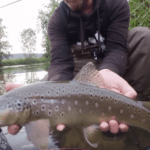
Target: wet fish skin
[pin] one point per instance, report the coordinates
(75, 103)
(64, 100)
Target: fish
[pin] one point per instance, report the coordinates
(80, 103)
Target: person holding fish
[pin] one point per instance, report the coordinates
(81, 31)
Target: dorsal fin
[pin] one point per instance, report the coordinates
(89, 75)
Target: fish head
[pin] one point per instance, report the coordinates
(14, 110)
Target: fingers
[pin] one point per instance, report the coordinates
(113, 127)
(60, 127)
(126, 89)
(14, 129)
(11, 86)
(131, 94)
(104, 126)
(123, 127)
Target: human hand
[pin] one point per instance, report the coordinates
(13, 129)
(114, 82)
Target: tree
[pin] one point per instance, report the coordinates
(139, 13)
(42, 22)
(28, 39)
(4, 44)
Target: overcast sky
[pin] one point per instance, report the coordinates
(19, 16)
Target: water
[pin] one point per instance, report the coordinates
(21, 75)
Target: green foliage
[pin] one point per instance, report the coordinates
(24, 61)
(42, 23)
(28, 39)
(4, 44)
(139, 13)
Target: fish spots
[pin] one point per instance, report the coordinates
(96, 105)
(87, 102)
(29, 94)
(56, 108)
(115, 101)
(128, 105)
(68, 94)
(48, 92)
(69, 108)
(37, 112)
(42, 97)
(35, 93)
(80, 111)
(57, 93)
(109, 108)
(148, 114)
(91, 95)
(102, 98)
(43, 107)
(63, 101)
(63, 91)
(144, 121)
(139, 111)
(121, 111)
(62, 114)
(76, 102)
(79, 94)
(132, 116)
(34, 102)
(96, 96)
(49, 112)
(106, 97)
(18, 104)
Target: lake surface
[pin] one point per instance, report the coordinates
(21, 75)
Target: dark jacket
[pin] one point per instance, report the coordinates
(114, 29)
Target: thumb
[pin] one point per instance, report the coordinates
(127, 90)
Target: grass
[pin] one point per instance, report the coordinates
(24, 61)
(139, 13)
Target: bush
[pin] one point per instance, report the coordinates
(24, 61)
(139, 13)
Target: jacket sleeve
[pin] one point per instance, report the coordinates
(116, 38)
(62, 63)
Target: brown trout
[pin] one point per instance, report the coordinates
(79, 103)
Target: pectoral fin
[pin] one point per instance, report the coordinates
(91, 135)
(38, 133)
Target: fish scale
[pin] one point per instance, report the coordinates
(76, 103)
